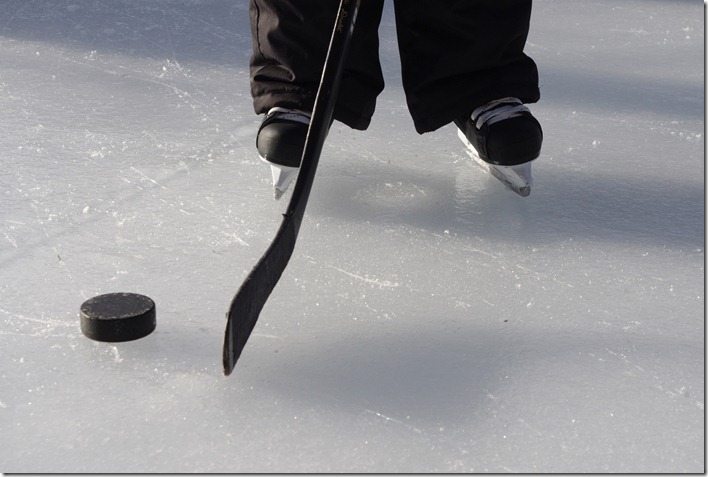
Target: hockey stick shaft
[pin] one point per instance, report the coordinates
(254, 292)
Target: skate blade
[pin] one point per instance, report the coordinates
(516, 178)
(282, 177)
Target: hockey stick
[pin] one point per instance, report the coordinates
(255, 290)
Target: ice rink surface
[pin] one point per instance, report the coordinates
(429, 320)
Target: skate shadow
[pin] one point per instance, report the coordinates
(562, 205)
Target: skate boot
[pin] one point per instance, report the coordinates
(280, 142)
(503, 137)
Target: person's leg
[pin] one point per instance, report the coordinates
(457, 55)
(290, 41)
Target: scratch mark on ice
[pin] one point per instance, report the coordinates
(36, 327)
(145, 176)
(236, 237)
(541, 277)
(265, 335)
(396, 421)
(116, 354)
(10, 239)
(378, 283)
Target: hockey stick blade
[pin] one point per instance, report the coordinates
(251, 297)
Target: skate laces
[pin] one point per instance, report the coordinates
(498, 110)
(290, 115)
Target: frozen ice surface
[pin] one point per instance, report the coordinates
(429, 321)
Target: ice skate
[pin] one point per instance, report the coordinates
(280, 142)
(503, 137)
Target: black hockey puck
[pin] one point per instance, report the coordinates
(117, 317)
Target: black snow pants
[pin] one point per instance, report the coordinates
(455, 55)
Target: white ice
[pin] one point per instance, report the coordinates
(429, 320)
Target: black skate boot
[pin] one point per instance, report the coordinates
(280, 141)
(503, 137)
